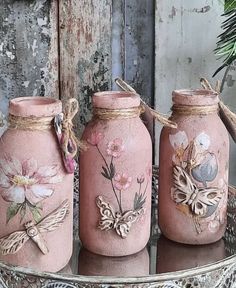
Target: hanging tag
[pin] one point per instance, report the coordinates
(67, 154)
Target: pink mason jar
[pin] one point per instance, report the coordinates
(36, 192)
(194, 160)
(115, 177)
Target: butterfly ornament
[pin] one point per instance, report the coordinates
(120, 222)
(12, 243)
(186, 192)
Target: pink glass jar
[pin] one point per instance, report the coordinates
(115, 177)
(194, 160)
(36, 193)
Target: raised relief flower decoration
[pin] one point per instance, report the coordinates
(115, 148)
(122, 181)
(26, 185)
(179, 142)
(207, 170)
(95, 138)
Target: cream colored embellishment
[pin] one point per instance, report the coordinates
(12, 243)
(110, 219)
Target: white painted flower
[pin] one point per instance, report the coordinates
(25, 181)
(179, 142)
(213, 226)
(203, 141)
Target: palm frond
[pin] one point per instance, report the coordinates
(226, 46)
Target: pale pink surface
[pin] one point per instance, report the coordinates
(115, 147)
(46, 181)
(210, 135)
(130, 156)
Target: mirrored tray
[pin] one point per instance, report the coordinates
(162, 264)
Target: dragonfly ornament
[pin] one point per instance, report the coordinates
(12, 243)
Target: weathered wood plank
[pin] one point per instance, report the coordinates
(186, 33)
(139, 47)
(85, 50)
(28, 49)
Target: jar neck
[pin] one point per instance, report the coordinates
(111, 114)
(111, 105)
(194, 110)
(195, 102)
(33, 113)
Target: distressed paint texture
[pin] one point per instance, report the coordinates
(186, 35)
(85, 51)
(28, 49)
(139, 46)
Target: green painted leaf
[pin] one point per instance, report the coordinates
(22, 211)
(12, 210)
(139, 201)
(105, 173)
(36, 214)
(112, 170)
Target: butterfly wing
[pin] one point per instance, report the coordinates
(204, 198)
(54, 219)
(125, 222)
(13, 243)
(108, 218)
(183, 186)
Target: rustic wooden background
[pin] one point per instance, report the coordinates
(72, 48)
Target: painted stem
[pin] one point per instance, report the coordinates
(113, 188)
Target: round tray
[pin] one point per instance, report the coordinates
(162, 264)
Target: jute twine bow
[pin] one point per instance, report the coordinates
(70, 143)
(226, 115)
(156, 115)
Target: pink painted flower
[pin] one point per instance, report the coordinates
(115, 147)
(141, 179)
(122, 181)
(25, 181)
(95, 138)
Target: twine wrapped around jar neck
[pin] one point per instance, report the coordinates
(195, 110)
(68, 142)
(30, 123)
(111, 114)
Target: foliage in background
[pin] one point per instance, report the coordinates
(226, 46)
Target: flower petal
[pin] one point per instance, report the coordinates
(14, 194)
(4, 180)
(179, 139)
(41, 191)
(29, 167)
(51, 180)
(48, 171)
(15, 165)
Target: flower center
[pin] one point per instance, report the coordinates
(20, 180)
(123, 181)
(115, 147)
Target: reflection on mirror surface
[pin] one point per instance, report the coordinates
(91, 264)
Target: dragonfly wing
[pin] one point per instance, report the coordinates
(13, 243)
(54, 219)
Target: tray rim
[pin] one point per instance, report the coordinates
(168, 276)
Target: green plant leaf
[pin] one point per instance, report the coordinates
(12, 210)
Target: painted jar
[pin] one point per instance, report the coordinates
(36, 192)
(194, 159)
(115, 177)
